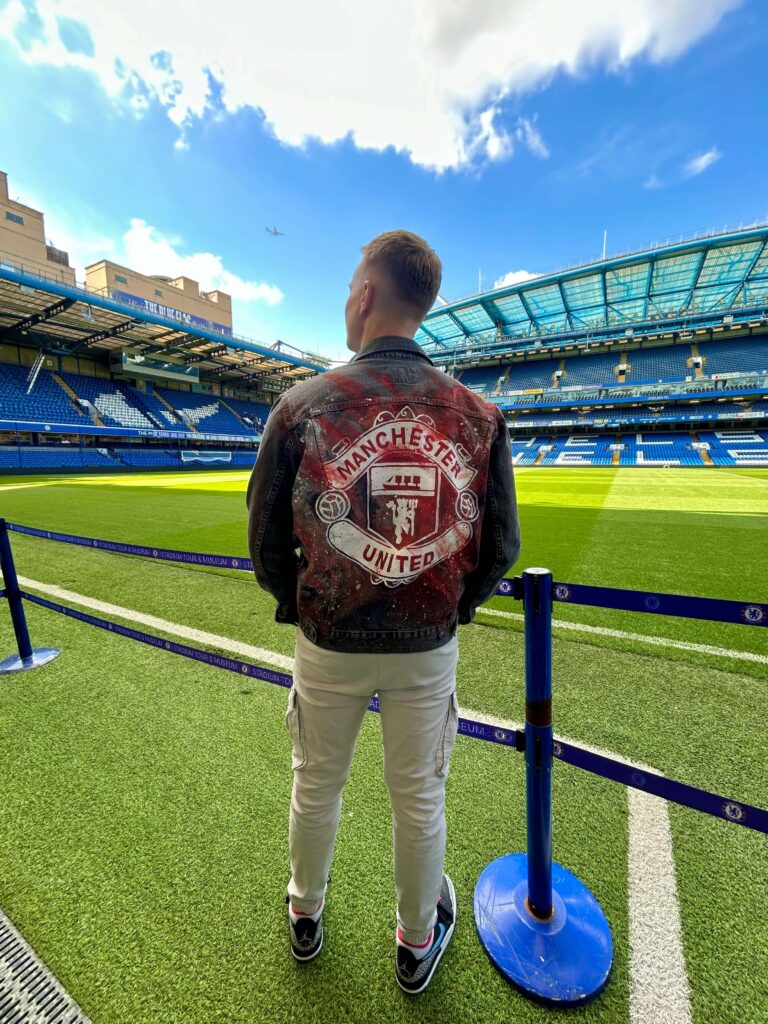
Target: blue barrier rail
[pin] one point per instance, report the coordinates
(743, 613)
(467, 726)
(605, 767)
(140, 550)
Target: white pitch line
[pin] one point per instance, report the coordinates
(659, 988)
(174, 628)
(655, 641)
(658, 981)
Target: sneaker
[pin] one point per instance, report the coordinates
(414, 973)
(306, 934)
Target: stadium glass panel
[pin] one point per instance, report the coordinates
(716, 297)
(444, 328)
(474, 318)
(631, 310)
(756, 291)
(627, 282)
(591, 316)
(583, 292)
(760, 269)
(512, 310)
(670, 303)
(675, 272)
(545, 302)
(728, 263)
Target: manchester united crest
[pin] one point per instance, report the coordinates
(419, 509)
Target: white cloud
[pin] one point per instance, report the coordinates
(527, 133)
(699, 164)
(428, 79)
(514, 277)
(653, 182)
(146, 250)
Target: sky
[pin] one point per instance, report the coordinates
(510, 134)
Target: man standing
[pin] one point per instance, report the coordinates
(395, 484)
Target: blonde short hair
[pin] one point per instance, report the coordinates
(414, 267)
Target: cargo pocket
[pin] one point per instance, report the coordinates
(447, 737)
(295, 730)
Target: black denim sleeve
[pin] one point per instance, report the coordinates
(500, 536)
(271, 540)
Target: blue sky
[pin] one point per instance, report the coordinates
(168, 136)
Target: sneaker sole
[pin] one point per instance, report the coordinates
(439, 956)
(305, 959)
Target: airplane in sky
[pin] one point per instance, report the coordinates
(274, 231)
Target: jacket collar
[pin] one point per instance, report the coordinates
(392, 344)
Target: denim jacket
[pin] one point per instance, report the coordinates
(382, 509)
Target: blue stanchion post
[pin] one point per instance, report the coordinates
(537, 596)
(28, 657)
(540, 925)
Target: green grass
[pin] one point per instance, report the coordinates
(144, 798)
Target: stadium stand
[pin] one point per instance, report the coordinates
(587, 450)
(737, 447)
(111, 403)
(685, 413)
(257, 412)
(156, 410)
(658, 450)
(483, 379)
(525, 450)
(591, 370)
(146, 457)
(748, 356)
(204, 412)
(654, 365)
(46, 457)
(48, 402)
(537, 374)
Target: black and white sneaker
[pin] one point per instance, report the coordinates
(414, 973)
(306, 934)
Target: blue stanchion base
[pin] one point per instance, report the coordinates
(564, 961)
(39, 657)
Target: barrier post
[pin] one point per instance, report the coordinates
(27, 657)
(541, 926)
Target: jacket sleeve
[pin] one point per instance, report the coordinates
(271, 540)
(500, 529)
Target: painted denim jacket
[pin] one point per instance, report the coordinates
(395, 484)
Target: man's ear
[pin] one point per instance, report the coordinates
(366, 298)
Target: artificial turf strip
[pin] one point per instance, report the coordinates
(143, 818)
(191, 739)
(682, 712)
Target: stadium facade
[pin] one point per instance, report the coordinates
(654, 358)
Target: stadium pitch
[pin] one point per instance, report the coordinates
(143, 801)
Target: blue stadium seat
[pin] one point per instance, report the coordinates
(64, 457)
(48, 402)
(163, 418)
(745, 356)
(737, 447)
(653, 365)
(205, 412)
(114, 405)
(256, 412)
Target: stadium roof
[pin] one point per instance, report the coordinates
(689, 282)
(70, 320)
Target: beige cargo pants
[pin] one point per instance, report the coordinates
(419, 720)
